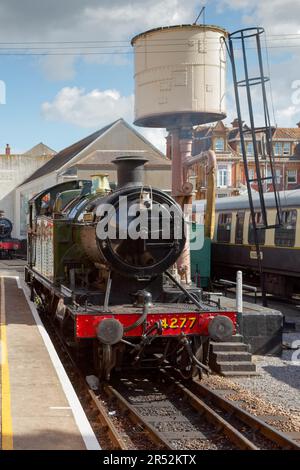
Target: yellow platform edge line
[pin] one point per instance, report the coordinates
(6, 418)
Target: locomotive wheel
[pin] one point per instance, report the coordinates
(185, 364)
(103, 358)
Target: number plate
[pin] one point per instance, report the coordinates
(179, 322)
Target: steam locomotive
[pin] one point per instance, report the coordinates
(8, 246)
(100, 265)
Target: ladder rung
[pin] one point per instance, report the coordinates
(266, 178)
(260, 179)
(256, 130)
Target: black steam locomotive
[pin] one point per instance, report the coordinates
(99, 264)
(8, 246)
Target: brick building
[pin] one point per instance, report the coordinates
(225, 141)
(286, 148)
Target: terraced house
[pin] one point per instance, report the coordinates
(225, 141)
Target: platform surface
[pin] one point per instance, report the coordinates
(35, 411)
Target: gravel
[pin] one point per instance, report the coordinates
(279, 379)
(274, 392)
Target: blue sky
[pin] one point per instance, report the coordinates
(59, 99)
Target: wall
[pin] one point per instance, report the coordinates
(13, 170)
(16, 168)
(159, 178)
(20, 197)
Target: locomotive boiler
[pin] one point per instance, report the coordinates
(100, 265)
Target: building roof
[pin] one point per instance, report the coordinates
(69, 153)
(287, 133)
(203, 141)
(65, 155)
(202, 131)
(40, 150)
(99, 158)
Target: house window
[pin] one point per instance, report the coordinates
(251, 173)
(268, 174)
(224, 176)
(219, 144)
(278, 149)
(278, 176)
(286, 148)
(291, 176)
(249, 147)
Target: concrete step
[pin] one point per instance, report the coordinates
(235, 366)
(234, 339)
(229, 346)
(238, 373)
(226, 356)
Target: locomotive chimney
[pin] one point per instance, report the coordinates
(130, 170)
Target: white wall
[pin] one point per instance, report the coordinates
(25, 193)
(13, 170)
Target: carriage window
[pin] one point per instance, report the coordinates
(285, 234)
(261, 232)
(239, 228)
(224, 227)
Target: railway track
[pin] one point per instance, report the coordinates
(168, 413)
(251, 424)
(175, 415)
(167, 421)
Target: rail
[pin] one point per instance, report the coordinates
(257, 425)
(229, 284)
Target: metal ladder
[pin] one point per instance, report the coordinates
(241, 38)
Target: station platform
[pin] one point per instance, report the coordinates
(261, 327)
(39, 407)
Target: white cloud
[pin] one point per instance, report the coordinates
(95, 108)
(87, 20)
(58, 67)
(279, 19)
(157, 137)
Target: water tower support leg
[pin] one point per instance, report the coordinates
(181, 150)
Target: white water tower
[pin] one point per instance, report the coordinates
(180, 74)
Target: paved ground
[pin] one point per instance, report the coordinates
(35, 412)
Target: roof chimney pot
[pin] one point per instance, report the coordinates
(235, 123)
